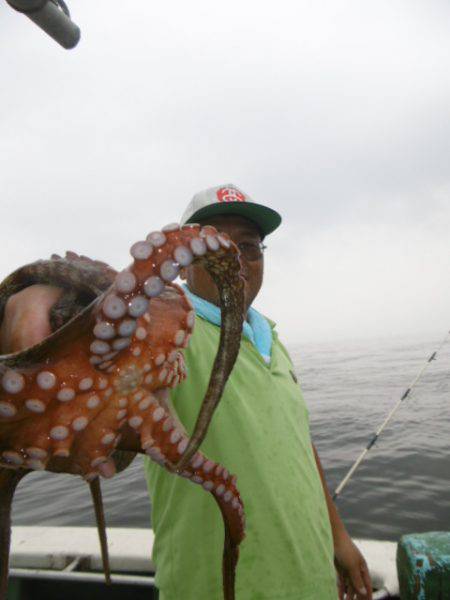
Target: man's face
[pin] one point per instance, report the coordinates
(241, 231)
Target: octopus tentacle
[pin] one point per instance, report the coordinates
(96, 494)
(164, 440)
(8, 483)
(232, 321)
(229, 562)
(82, 284)
(99, 383)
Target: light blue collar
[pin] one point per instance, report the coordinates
(256, 328)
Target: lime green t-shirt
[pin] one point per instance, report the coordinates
(260, 432)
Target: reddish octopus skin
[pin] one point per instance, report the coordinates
(100, 383)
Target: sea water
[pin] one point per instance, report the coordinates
(403, 485)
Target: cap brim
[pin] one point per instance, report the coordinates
(266, 218)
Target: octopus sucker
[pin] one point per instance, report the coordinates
(96, 391)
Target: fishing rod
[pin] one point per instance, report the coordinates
(406, 394)
(53, 17)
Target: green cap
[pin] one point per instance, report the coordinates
(230, 200)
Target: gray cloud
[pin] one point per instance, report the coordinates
(337, 116)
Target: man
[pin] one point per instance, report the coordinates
(260, 432)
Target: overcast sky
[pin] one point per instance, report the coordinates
(335, 113)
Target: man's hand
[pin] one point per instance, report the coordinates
(354, 578)
(26, 319)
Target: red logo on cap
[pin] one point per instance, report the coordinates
(230, 195)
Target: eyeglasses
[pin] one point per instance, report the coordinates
(251, 251)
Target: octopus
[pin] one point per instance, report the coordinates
(95, 392)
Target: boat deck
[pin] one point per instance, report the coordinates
(50, 563)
